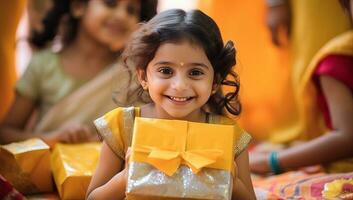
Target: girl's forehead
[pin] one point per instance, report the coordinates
(181, 53)
(186, 39)
(180, 49)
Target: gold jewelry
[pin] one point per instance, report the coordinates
(144, 85)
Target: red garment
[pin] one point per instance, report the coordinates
(7, 191)
(339, 67)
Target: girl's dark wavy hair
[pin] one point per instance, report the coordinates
(62, 7)
(177, 25)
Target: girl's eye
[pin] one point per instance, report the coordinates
(165, 71)
(132, 9)
(196, 72)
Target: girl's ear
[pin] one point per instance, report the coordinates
(214, 88)
(142, 77)
(216, 84)
(77, 8)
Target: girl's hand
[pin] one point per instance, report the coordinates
(70, 133)
(240, 190)
(259, 163)
(236, 177)
(126, 167)
(235, 169)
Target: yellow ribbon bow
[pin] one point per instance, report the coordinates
(168, 161)
(166, 144)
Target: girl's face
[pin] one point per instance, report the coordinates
(179, 80)
(110, 22)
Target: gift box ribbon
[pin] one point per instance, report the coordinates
(168, 161)
(166, 144)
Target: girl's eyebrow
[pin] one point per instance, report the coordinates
(198, 64)
(188, 64)
(163, 63)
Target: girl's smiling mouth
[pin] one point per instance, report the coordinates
(179, 99)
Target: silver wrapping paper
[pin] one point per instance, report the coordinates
(147, 182)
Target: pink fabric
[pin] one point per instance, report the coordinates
(296, 185)
(339, 67)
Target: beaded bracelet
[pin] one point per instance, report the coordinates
(273, 162)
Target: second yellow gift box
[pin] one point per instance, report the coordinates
(173, 159)
(73, 166)
(26, 165)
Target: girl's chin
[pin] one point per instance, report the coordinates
(116, 48)
(179, 116)
(173, 115)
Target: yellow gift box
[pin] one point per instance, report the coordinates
(73, 166)
(26, 165)
(173, 159)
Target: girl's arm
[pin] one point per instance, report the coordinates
(109, 180)
(242, 185)
(327, 148)
(332, 146)
(12, 129)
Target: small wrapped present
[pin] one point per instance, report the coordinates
(173, 159)
(73, 166)
(26, 165)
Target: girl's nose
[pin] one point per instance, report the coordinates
(180, 83)
(120, 12)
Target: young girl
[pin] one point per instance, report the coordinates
(182, 63)
(70, 88)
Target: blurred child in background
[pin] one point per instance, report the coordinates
(71, 87)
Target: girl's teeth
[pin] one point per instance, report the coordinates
(179, 98)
